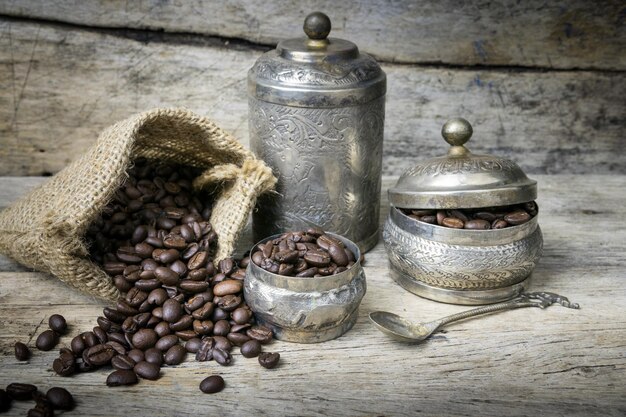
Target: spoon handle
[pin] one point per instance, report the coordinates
(533, 299)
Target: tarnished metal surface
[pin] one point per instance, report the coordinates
(306, 310)
(316, 113)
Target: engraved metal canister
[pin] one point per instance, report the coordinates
(316, 113)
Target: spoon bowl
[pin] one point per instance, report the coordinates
(398, 327)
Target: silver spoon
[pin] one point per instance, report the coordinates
(407, 331)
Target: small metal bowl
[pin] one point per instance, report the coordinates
(306, 310)
(461, 266)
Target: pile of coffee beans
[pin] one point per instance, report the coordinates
(56, 398)
(156, 242)
(309, 253)
(477, 219)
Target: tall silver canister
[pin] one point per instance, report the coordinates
(316, 112)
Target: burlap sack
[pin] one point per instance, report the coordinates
(45, 229)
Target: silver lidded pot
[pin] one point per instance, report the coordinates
(316, 114)
(461, 266)
(306, 310)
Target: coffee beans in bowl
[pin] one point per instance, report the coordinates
(306, 286)
(477, 219)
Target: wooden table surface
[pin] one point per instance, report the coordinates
(556, 361)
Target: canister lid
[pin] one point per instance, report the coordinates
(462, 179)
(316, 71)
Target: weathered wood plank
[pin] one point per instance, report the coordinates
(535, 33)
(523, 362)
(60, 87)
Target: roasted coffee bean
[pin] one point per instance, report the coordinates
(175, 355)
(198, 260)
(317, 258)
(269, 360)
(202, 327)
(64, 365)
(99, 355)
(499, 224)
(121, 377)
(257, 257)
(199, 274)
(122, 284)
(229, 302)
(226, 266)
(117, 337)
(117, 347)
(166, 342)
(185, 322)
(147, 370)
(205, 351)
(122, 362)
(193, 286)
(192, 345)
(60, 398)
(517, 217)
(251, 348)
(221, 328)
(144, 339)
(104, 323)
(241, 315)
(226, 287)
(22, 352)
(237, 339)
(338, 255)
(307, 273)
(157, 296)
(136, 355)
(477, 224)
(154, 356)
(260, 333)
(166, 276)
(135, 297)
(21, 392)
(240, 328)
(172, 311)
(100, 334)
(222, 357)
(270, 265)
(57, 323)
(114, 315)
(47, 340)
(453, 222)
(205, 312)
(223, 343)
(212, 384)
(186, 334)
(162, 329)
(485, 215)
(114, 268)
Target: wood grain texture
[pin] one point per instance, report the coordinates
(60, 87)
(551, 362)
(532, 33)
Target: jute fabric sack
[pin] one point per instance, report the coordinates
(44, 230)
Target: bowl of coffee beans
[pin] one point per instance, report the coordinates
(463, 228)
(305, 285)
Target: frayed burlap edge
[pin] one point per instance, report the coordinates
(44, 230)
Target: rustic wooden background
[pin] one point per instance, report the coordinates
(543, 82)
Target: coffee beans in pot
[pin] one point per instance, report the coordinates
(156, 242)
(309, 253)
(477, 219)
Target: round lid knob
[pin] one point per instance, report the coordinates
(457, 131)
(317, 26)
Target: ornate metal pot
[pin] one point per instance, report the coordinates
(306, 310)
(316, 113)
(458, 265)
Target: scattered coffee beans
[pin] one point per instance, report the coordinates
(155, 240)
(310, 253)
(22, 353)
(60, 398)
(57, 323)
(47, 340)
(21, 392)
(212, 384)
(477, 219)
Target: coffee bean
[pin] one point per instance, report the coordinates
(205, 351)
(222, 357)
(198, 260)
(227, 287)
(237, 339)
(227, 266)
(186, 334)
(22, 352)
(154, 356)
(144, 339)
(21, 392)
(166, 275)
(46, 340)
(121, 377)
(192, 345)
(175, 355)
(477, 224)
(42, 409)
(166, 342)
(222, 343)
(317, 258)
(114, 315)
(162, 329)
(157, 296)
(57, 323)
(499, 224)
(172, 311)
(99, 355)
(193, 286)
(517, 217)
(136, 355)
(117, 347)
(251, 348)
(212, 384)
(338, 255)
(221, 328)
(307, 273)
(64, 365)
(241, 315)
(204, 312)
(269, 360)
(147, 370)
(60, 398)
(260, 333)
(185, 322)
(453, 222)
(122, 362)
